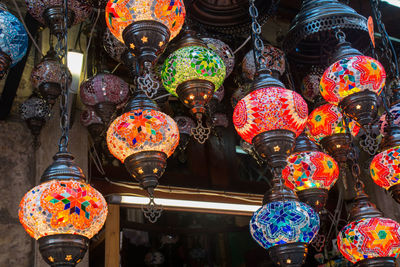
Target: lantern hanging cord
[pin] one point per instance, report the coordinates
(258, 44)
(26, 28)
(89, 42)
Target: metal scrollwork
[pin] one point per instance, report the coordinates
(200, 133)
(146, 81)
(152, 211)
(369, 143)
(318, 242)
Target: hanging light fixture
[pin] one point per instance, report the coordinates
(13, 41)
(310, 173)
(224, 51)
(326, 126)
(49, 76)
(185, 126)
(93, 123)
(51, 13)
(143, 138)
(35, 112)
(310, 84)
(193, 73)
(104, 92)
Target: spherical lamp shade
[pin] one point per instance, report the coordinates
(269, 109)
(142, 130)
(35, 112)
(327, 120)
(122, 13)
(224, 51)
(113, 46)
(62, 207)
(13, 41)
(352, 75)
(395, 113)
(311, 169)
(369, 238)
(192, 63)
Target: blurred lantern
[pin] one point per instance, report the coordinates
(154, 258)
(13, 41)
(220, 120)
(185, 126)
(114, 48)
(143, 138)
(395, 117)
(35, 112)
(100, 4)
(193, 73)
(326, 126)
(50, 76)
(239, 93)
(51, 13)
(369, 239)
(217, 98)
(224, 51)
(310, 84)
(275, 61)
(63, 212)
(145, 26)
(104, 92)
(93, 123)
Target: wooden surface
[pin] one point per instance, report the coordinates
(112, 237)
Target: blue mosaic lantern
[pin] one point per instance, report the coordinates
(285, 226)
(13, 41)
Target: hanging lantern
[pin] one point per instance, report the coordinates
(51, 13)
(13, 41)
(143, 138)
(274, 115)
(326, 126)
(35, 112)
(239, 93)
(185, 126)
(93, 123)
(63, 212)
(311, 174)
(275, 61)
(353, 83)
(104, 92)
(144, 26)
(383, 121)
(49, 77)
(224, 51)
(114, 48)
(310, 84)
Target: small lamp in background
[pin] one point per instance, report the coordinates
(75, 62)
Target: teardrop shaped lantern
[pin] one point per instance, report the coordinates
(35, 111)
(143, 138)
(13, 41)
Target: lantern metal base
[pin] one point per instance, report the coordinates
(303, 144)
(195, 94)
(264, 79)
(361, 107)
(314, 197)
(391, 137)
(105, 110)
(63, 168)
(274, 146)
(147, 39)
(376, 262)
(50, 91)
(337, 145)
(395, 192)
(35, 125)
(5, 62)
(147, 167)
(141, 101)
(54, 18)
(289, 255)
(63, 250)
(363, 208)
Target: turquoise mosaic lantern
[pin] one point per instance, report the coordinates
(13, 40)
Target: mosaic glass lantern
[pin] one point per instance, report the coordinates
(35, 112)
(13, 41)
(385, 171)
(113, 46)
(49, 77)
(311, 172)
(326, 126)
(104, 92)
(368, 239)
(275, 61)
(63, 212)
(51, 13)
(224, 51)
(354, 83)
(93, 123)
(185, 126)
(145, 26)
(310, 84)
(143, 138)
(285, 225)
(395, 113)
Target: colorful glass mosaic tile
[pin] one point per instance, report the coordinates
(62, 207)
(142, 130)
(122, 13)
(224, 51)
(369, 238)
(13, 37)
(283, 222)
(327, 120)
(192, 63)
(385, 167)
(311, 169)
(269, 109)
(352, 75)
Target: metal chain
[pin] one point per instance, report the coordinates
(259, 59)
(64, 101)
